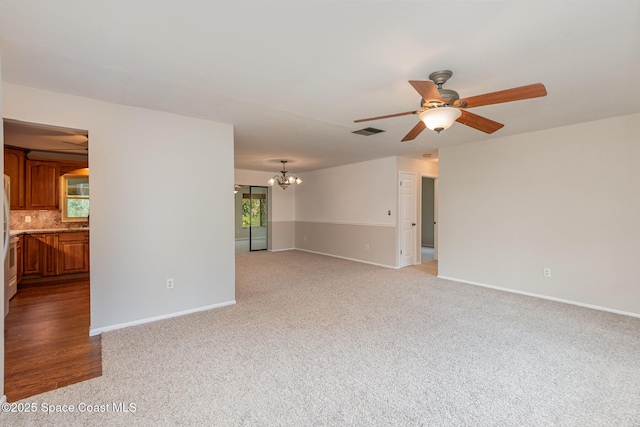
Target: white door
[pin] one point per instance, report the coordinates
(407, 219)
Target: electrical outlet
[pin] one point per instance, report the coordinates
(367, 246)
(27, 218)
(169, 283)
(547, 272)
(305, 238)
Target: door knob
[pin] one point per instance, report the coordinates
(413, 224)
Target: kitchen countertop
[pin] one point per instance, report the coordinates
(47, 230)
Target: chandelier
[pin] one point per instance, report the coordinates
(284, 180)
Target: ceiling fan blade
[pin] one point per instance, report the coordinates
(516, 94)
(415, 131)
(406, 113)
(427, 89)
(478, 122)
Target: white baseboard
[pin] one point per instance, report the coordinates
(280, 250)
(530, 294)
(349, 259)
(98, 331)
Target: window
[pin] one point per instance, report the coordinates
(254, 210)
(74, 191)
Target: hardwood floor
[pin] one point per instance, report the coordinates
(47, 343)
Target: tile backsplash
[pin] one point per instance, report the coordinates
(39, 220)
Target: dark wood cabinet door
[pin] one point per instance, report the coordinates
(31, 252)
(49, 254)
(74, 252)
(14, 168)
(42, 184)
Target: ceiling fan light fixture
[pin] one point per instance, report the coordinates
(440, 118)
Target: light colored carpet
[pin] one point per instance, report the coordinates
(315, 341)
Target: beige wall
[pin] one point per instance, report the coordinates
(372, 244)
(564, 198)
(283, 235)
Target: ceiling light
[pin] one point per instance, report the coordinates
(284, 180)
(440, 118)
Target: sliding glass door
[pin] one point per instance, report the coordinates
(258, 214)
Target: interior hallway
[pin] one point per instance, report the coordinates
(429, 264)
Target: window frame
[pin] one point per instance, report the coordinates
(64, 197)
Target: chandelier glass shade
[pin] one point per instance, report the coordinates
(284, 180)
(440, 118)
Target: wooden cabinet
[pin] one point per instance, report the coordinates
(35, 184)
(20, 260)
(74, 252)
(49, 254)
(41, 254)
(55, 254)
(14, 162)
(42, 184)
(32, 264)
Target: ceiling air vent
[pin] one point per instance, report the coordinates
(367, 131)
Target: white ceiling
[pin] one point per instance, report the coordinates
(292, 76)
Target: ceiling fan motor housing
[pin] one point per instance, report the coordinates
(440, 77)
(448, 96)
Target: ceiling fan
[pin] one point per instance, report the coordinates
(441, 107)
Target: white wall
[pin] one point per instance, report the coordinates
(564, 198)
(426, 167)
(161, 205)
(359, 193)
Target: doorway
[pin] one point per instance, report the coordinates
(251, 218)
(428, 216)
(429, 224)
(48, 173)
